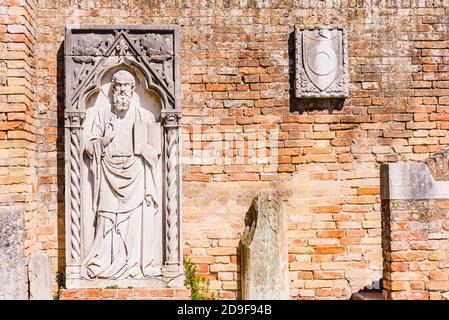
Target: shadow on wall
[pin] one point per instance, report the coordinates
(307, 104)
(60, 160)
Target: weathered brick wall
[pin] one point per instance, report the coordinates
(50, 148)
(237, 63)
(18, 178)
(416, 232)
(416, 249)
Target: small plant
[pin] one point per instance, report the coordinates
(199, 287)
(216, 296)
(114, 286)
(60, 280)
(130, 287)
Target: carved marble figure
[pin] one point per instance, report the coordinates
(123, 147)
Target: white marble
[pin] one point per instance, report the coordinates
(321, 62)
(122, 157)
(125, 191)
(404, 180)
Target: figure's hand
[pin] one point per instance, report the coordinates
(149, 153)
(150, 201)
(108, 134)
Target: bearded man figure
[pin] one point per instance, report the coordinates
(125, 192)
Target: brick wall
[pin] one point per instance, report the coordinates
(416, 233)
(18, 129)
(416, 252)
(236, 67)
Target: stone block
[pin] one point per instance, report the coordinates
(12, 255)
(39, 276)
(404, 181)
(264, 251)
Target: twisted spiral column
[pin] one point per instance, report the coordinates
(75, 191)
(172, 197)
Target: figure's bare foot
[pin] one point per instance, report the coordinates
(90, 273)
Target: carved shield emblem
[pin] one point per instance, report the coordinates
(320, 59)
(321, 62)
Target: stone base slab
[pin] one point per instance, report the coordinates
(126, 294)
(168, 281)
(368, 295)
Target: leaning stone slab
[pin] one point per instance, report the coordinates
(264, 251)
(401, 181)
(39, 276)
(12, 255)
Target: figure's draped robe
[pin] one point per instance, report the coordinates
(125, 200)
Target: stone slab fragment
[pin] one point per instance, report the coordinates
(12, 255)
(264, 251)
(411, 181)
(39, 276)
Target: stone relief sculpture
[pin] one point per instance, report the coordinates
(122, 154)
(125, 197)
(321, 62)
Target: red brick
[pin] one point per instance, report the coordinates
(71, 294)
(92, 293)
(328, 275)
(243, 176)
(247, 73)
(368, 191)
(220, 87)
(330, 234)
(329, 250)
(326, 209)
(109, 293)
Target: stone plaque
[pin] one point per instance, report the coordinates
(321, 62)
(12, 255)
(122, 192)
(264, 250)
(39, 276)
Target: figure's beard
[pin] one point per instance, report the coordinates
(121, 102)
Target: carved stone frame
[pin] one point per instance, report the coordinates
(85, 52)
(300, 75)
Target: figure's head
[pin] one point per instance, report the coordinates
(123, 85)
